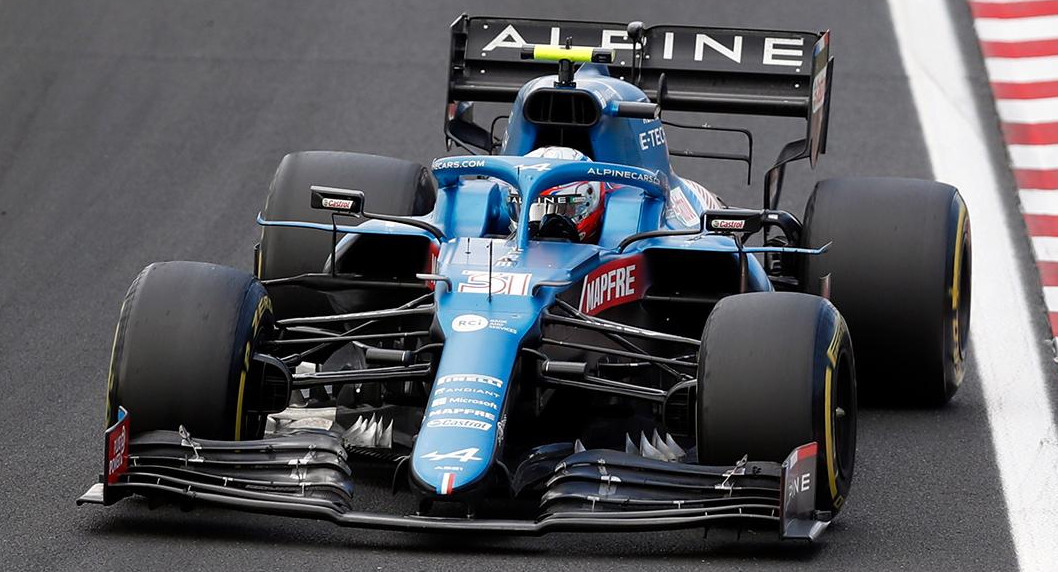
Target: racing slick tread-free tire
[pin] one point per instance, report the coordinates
(899, 267)
(776, 371)
(182, 350)
(391, 186)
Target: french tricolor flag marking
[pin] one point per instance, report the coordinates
(447, 482)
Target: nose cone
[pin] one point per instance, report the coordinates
(485, 316)
(459, 434)
(462, 429)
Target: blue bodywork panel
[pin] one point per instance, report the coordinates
(499, 287)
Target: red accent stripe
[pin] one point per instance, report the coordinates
(1042, 225)
(1031, 133)
(1048, 272)
(1014, 9)
(1046, 179)
(1054, 323)
(1034, 90)
(1030, 49)
(809, 450)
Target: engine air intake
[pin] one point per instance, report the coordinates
(561, 108)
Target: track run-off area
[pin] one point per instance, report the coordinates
(1005, 344)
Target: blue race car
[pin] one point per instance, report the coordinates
(555, 331)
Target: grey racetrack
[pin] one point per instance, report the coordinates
(139, 130)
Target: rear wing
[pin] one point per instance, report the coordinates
(682, 68)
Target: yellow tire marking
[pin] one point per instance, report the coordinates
(828, 422)
(264, 304)
(955, 286)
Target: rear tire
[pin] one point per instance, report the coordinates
(392, 186)
(899, 270)
(776, 371)
(182, 350)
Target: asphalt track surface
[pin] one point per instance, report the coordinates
(138, 131)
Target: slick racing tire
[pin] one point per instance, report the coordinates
(776, 371)
(182, 351)
(899, 272)
(391, 186)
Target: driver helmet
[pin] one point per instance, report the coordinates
(581, 201)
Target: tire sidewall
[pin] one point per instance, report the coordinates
(220, 406)
(255, 317)
(773, 367)
(956, 293)
(833, 350)
(895, 268)
(391, 186)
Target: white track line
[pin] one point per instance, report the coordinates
(1050, 295)
(1017, 29)
(1006, 349)
(1034, 156)
(1028, 110)
(1036, 202)
(1046, 248)
(1023, 70)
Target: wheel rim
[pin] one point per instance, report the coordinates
(253, 420)
(962, 312)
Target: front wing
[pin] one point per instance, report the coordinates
(307, 475)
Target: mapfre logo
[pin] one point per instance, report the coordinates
(613, 284)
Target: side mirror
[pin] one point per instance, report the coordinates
(732, 221)
(350, 202)
(342, 201)
(460, 127)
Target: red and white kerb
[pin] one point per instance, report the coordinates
(447, 482)
(1019, 40)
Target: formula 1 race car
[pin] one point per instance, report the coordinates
(555, 332)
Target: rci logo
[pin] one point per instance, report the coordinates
(469, 323)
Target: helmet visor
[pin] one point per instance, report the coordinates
(574, 202)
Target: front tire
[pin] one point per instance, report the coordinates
(182, 351)
(776, 371)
